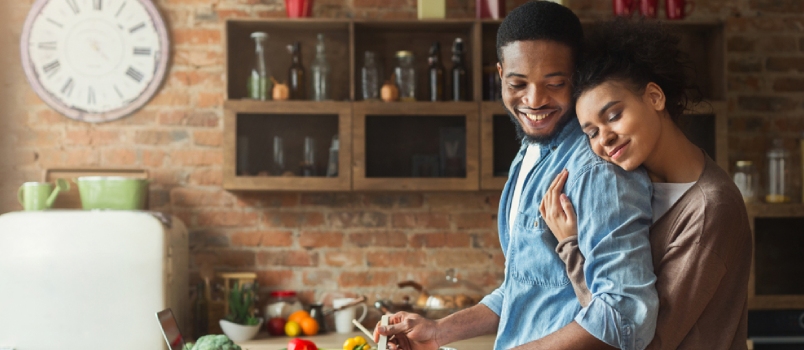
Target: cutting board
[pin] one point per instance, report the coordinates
(71, 199)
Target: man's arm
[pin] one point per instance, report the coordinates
(571, 336)
(414, 332)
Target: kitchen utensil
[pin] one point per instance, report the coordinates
(343, 317)
(364, 330)
(624, 8)
(383, 344)
(299, 8)
(317, 313)
(490, 9)
(112, 192)
(647, 8)
(71, 198)
(40, 195)
(444, 297)
(677, 9)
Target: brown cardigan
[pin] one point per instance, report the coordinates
(702, 258)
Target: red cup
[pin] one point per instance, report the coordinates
(624, 8)
(299, 8)
(677, 9)
(647, 8)
(490, 9)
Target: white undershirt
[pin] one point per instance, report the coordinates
(532, 154)
(665, 195)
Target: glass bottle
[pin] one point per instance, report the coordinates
(307, 167)
(296, 76)
(436, 73)
(370, 78)
(746, 179)
(278, 163)
(332, 165)
(405, 76)
(258, 83)
(779, 182)
(319, 72)
(242, 156)
(458, 72)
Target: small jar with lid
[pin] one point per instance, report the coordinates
(282, 303)
(746, 179)
(779, 170)
(405, 76)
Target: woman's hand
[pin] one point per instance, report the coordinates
(557, 210)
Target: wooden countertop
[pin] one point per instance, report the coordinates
(334, 341)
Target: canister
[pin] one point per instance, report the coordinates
(432, 8)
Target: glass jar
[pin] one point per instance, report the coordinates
(405, 76)
(746, 179)
(282, 303)
(779, 167)
(258, 83)
(370, 78)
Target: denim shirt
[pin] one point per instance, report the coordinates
(614, 213)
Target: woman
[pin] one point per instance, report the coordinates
(630, 89)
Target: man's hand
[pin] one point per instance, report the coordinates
(410, 331)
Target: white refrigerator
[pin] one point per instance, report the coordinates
(73, 279)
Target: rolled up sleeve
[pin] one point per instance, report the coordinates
(494, 301)
(614, 215)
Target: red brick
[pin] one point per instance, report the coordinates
(199, 57)
(740, 44)
(428, 220)
(225, 258)
(276, 278)
(766, 103)
(358, 219)
(203, 119)
(777, 44)
(227, 218)
(153, 159)
(197, 157)
(331, 200)
(208, 238)
(159, 137)
(196, 36)
(351, 279)
(262, 238)
(189, 197)
(345, 258)
(394, 239)
(288, 258)
(383, 4)
(319, 278)
(267, 200)
(208, 138)
(785, 64)
(292, 220)
(95, 137)
(196, 77)
(451, 201)
(231, 13)
(745, 65)
(475, 220)
(440, 240)
(168, 98)
(206, 177)
(462, 258)
(119, 157)
(320, 239)
(486, 240)
(789, 85)
(207, 100)
(397, 259)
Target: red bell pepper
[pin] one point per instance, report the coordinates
(301, 344)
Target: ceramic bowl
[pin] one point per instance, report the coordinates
(238, 332)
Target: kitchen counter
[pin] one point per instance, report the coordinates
(334, 341)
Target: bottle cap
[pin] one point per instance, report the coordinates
(435, 49)
(744, 163)
(403, 53)
(259, 35)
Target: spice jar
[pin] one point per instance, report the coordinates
(779, 167)
(746, 179)
(405, 76)
(282, 303)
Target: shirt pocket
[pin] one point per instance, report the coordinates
(534, 260)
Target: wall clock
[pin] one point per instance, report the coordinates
(95, 60)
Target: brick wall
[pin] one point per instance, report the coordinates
(322, 241)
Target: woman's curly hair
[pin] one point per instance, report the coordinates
(637, 53)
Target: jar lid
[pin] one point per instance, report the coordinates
(403, 53)
(744, 163)
(283, 293)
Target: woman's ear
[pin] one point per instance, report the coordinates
(654, 95)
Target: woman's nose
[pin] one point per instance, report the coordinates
(607, 137)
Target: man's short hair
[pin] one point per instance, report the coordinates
(541, 20)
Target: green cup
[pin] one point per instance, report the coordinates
(34, 195)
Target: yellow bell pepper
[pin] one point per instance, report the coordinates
(356, 343)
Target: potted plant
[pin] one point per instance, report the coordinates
(240, 323)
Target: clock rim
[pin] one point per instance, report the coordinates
(112, 115)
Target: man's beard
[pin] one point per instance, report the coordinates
(542, 139)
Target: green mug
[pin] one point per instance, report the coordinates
(40, 195)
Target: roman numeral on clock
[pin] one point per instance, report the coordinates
(48, 45)
(143, 51)
(136, 28)
(67, 89)
(135, 74)
(51, 68)
(74, 6)
(97, 5)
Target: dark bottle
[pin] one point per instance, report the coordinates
(296, 76)
(436, 73)
(201, 310)
(458, 72)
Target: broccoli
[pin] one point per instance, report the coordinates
(213, 342)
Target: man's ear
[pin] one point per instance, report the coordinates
(655, 96)
(499, 70)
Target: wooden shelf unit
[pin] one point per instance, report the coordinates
(489, 149)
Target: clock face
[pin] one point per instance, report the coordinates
(95, 60)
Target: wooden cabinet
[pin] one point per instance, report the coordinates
(401, 146)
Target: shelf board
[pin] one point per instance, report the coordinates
(414, 108)
(291, 107)
(773, 210)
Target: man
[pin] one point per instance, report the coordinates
(537, 46)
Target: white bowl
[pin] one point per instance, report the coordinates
(238, 332)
